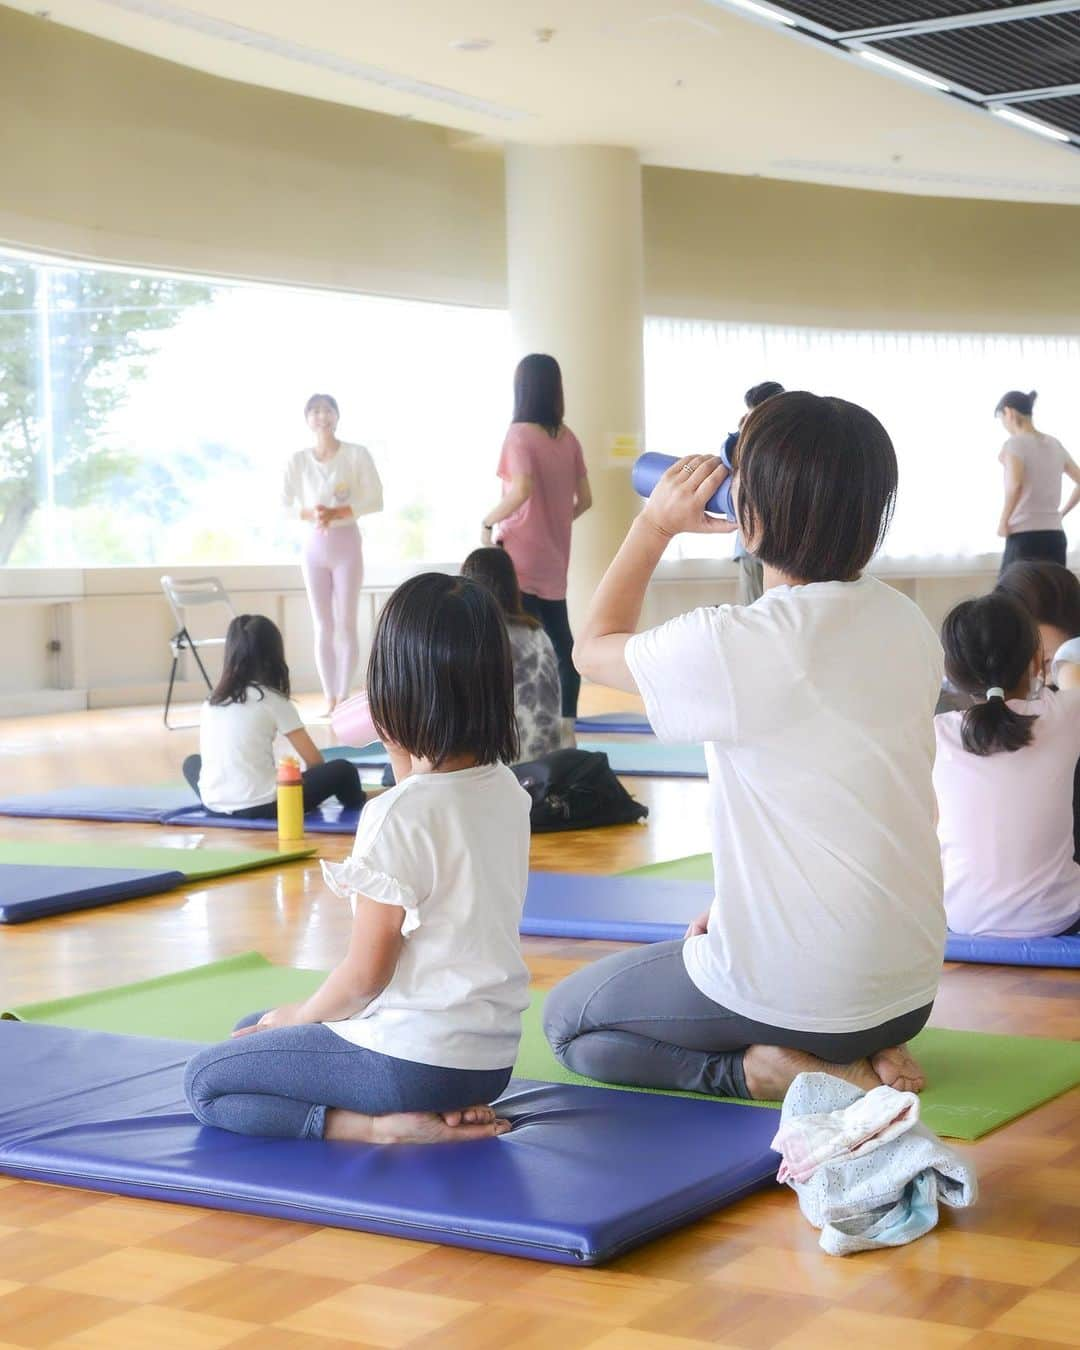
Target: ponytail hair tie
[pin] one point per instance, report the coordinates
(995, 693)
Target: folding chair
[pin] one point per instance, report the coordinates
(183, 594)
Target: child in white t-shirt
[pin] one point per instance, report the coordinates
(825, 938)
(234, 774)
(1004, 779)
(416, 1030)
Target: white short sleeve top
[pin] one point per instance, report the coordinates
(815, 706)
(452, 849)
(237, 745)
(348, 478)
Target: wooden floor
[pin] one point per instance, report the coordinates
(83, 1271)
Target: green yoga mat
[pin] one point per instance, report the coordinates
(977, 1081)
(698, 867)
(195, 863)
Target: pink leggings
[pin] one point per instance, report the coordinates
(333, 566)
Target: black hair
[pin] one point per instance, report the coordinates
(816, 485)
(990, 643)
(1049, 592)
(756, 395)
(321, 398)
(538, 392)
(440, 680)
(494, 568)
(1018, 401)
(254, 655)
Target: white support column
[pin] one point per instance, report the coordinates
(574, 245)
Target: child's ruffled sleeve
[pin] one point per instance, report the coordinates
(388, 864)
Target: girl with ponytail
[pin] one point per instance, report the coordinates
(1004, 778)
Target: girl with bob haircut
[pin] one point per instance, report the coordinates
(823, 946)
(1004, 778)
(234, 774)
(1031, 513)
(544, 490)
(536, 670)
(415, 1031)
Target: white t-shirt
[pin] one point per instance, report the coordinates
(348, 478)
(452, 849)
(236, 741)
(816, 709)
(1006, 825)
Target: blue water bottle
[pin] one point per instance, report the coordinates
(650, 468)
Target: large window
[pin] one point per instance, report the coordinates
(146, 419)
(935, 394)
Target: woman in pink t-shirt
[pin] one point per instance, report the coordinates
(545, 489)
(1031, 513)
(1004, 779)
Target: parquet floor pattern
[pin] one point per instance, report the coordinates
(89, 1272)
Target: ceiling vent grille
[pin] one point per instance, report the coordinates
(1001, 58)
(851, 16)
(1063, 113)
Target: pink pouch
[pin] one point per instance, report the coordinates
(351, 722)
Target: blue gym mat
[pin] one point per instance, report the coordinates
(655, 909)
(614, 724)
(29, 891)
(1062, 953)
(615, 909)
(639, 758)
(585, 1175)
(148, 805)
(166, 805)
(330, 818)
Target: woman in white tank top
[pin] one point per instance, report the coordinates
(1031, 513)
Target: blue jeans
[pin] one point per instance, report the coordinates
(279, 1083)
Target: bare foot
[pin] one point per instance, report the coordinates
(770, 1070)
(898, 1068)
(415, 1127)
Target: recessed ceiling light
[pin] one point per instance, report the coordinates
(898, 68)
(1030, 124)
(762, 11)
(471, 44)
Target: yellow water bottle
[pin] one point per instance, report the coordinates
(290, 802)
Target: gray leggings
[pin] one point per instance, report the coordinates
(281, 1082)
(637, 1018)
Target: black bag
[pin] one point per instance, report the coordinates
(576, 790)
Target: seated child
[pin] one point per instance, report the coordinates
(414, 1033)
(1004, 776)
(1051, 595)
(235, 775)
(537, 694)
